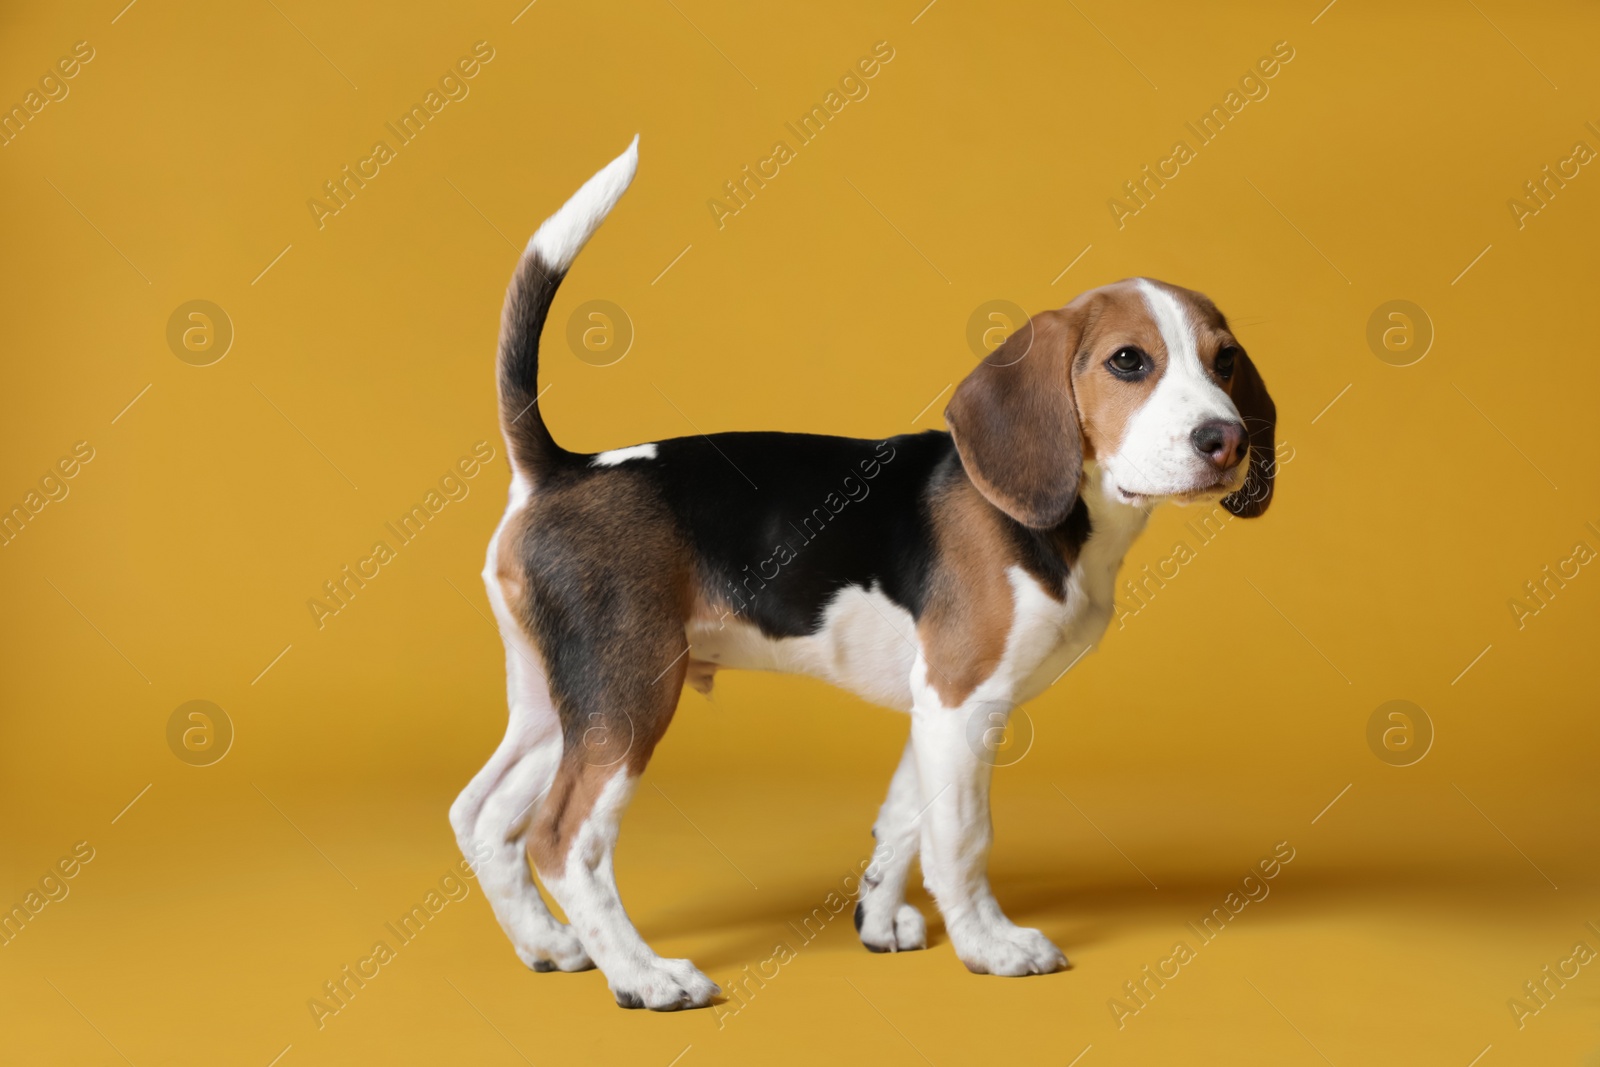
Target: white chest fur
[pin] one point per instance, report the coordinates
(1081, 618)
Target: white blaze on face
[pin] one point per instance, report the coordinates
(1156, 456)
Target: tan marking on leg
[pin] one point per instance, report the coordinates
(963, 629)
(586, 768)
(654, 722)
(567, 807)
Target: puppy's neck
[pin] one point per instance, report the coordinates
(1109, 515)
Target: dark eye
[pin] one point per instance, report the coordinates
(1127, 362)
(1224, 362)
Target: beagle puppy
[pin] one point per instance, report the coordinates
(951, 575)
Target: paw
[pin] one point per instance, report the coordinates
(1011, 951)
(559, 950)
(900, 930)
(663, 985)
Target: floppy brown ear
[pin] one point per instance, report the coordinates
(1016, 426)
(1260, 417)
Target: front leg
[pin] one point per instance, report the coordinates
(956, 835)
(884, 920)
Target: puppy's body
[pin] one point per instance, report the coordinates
(950, 575)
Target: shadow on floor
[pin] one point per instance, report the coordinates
(1074, 913)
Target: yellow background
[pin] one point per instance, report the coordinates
(1221, 720)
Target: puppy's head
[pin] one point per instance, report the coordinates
(1141, 381)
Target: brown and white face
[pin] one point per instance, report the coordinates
(1152, 377)
(1139, 385)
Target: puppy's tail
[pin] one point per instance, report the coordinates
(539, 273)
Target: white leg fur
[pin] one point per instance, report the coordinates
(884, 920)
(586, 889)
(954, 783)
(494, 813)
(492, 817)
(956, 834)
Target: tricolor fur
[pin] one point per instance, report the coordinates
(948, 575)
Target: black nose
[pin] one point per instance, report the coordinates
(1222, 443)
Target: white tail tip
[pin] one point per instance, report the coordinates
(562, 236)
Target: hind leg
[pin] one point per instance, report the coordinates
(600, 576)
(573, 847)
(575, 835)
(884, 920)
(495, 813)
